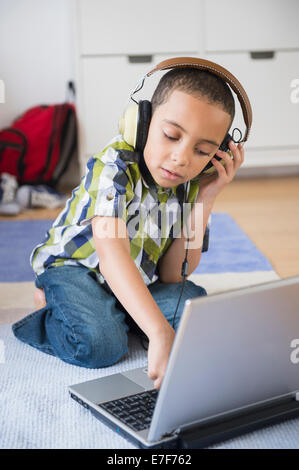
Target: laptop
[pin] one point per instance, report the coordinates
(234, 353)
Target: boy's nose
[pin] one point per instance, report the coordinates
(180, 158)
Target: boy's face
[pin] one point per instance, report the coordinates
(177, 147)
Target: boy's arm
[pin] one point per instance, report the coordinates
(118, 268)
(170, 265)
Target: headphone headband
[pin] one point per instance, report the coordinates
(193, 62)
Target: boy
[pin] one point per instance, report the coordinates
(104, 263)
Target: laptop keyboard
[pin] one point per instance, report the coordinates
(135, 411)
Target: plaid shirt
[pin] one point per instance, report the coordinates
(115, 184)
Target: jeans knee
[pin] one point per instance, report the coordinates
(95, 350)
(190, 289)
(193, 290)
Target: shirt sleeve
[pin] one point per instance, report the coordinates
(107, 188)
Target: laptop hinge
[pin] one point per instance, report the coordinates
(206, 434)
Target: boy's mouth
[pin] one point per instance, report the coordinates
(170, 175)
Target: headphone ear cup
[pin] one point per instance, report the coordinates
(225, 148)
(143, 123)
(128, 124)
(134, 124)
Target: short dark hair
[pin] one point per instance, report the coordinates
(196, 82)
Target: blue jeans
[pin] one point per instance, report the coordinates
(83, 323)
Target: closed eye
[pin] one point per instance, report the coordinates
(175, 138)
(170, 138)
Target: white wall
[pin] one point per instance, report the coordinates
(36, 53)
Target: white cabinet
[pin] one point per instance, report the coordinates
(111, 33)
(107, 81)
(257, 25)
(274, 135)
(138, 26)
(268, 86)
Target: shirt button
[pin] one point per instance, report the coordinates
(109, 197)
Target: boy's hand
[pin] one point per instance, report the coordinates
(159, 348)
(211, 185)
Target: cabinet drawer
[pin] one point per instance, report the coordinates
(138, 27)
(268, 85)
(251, 26)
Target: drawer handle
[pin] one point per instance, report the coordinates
(140, 59)
(262, 54)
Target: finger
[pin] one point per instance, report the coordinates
(229, 163)
(241, 149)
(227, 157)
(229, 169)
(152, 375)
(218, 162)
(237, 154)
(157, 384)
(221, 171)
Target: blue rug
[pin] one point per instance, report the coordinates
(230, 249)
(17, 240)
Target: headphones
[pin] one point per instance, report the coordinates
(134, 123)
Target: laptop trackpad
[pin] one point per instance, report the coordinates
(107, 388)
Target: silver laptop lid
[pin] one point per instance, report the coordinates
(231, 350)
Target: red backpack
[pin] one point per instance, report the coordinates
(38, 146)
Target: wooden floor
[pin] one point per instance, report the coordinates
(268, 212)
(266, 209)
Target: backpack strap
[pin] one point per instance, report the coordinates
(22, 147)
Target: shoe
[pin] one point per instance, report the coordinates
(40, 196)
(8, 189)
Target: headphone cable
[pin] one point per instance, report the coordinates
(185, 265)
(184, 272)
